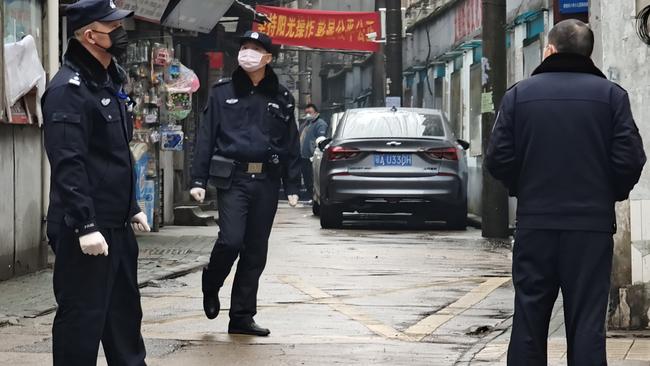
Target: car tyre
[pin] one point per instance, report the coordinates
(458, 219)
(331, 217)
(315, 208)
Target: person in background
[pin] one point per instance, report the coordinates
(312, 128)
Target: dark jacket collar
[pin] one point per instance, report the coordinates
(269, 86)
(569, 62)
(91, 70)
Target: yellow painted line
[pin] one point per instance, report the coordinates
(351, 312)
(617, 349)
(492, 352)
(429, 324)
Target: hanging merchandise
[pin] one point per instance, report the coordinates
(179, 105)
(172, 138)
(183, 83)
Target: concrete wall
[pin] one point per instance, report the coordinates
(614, 25)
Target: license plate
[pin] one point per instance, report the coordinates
(393, 160)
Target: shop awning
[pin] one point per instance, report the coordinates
(150, 10)
(197, 15)
(247, 12)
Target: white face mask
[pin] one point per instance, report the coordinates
(251, 60)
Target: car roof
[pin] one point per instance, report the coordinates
(386, 109)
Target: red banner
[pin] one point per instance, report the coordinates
(321, 29)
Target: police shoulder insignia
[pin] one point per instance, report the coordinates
(232, 101)
(75, 80)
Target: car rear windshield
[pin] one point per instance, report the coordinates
(377, 124)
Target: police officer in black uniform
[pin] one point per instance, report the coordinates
(247, 143)
(92, 210)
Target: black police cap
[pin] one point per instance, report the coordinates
(84, 12)
(258, 37)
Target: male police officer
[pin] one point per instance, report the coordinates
(87, 133)
(565, 143)
(247, 142)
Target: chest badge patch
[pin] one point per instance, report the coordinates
(106, 102)
(232, 101)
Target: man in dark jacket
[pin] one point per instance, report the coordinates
(313, 128)
(92, 200)
(248, 141)
(566, 145)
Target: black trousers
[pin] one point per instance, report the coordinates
(307, 177)
(98, 300)
(246, 214)
(578, 263)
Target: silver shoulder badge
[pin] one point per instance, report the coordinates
(75, 80)
(106, 102)
(232, 101)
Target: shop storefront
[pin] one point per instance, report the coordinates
(161, 89)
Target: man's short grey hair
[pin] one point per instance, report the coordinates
(79, 33)
(572, 36)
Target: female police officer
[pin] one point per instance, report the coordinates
(247, 143)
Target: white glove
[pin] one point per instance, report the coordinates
(198, 194)
(139, 222)
(293, 200)
(93, 244)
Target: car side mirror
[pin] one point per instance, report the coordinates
(322, 142)
(464, 144)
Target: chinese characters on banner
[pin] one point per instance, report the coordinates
(468, 18)
(321, 29)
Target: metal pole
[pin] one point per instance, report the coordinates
(379, 69)
(394, 46)
(303, 81)
(495, 222)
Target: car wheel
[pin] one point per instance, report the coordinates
(315, 208)
(331, 217)
(458, 218)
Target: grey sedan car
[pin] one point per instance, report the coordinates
(399, 160)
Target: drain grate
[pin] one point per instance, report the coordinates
(164, 251)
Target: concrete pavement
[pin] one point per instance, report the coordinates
(380, 292)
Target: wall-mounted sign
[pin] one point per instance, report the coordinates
(574, 6)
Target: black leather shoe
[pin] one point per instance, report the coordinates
(211, 304)
(248, 328)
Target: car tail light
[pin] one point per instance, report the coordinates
(445, 153)
(336, 153)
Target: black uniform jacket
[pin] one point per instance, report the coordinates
(249, 124)
(566, 145)
(87, 134)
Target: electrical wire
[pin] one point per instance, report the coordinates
(642, 25)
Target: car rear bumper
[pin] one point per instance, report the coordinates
(411, 193)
